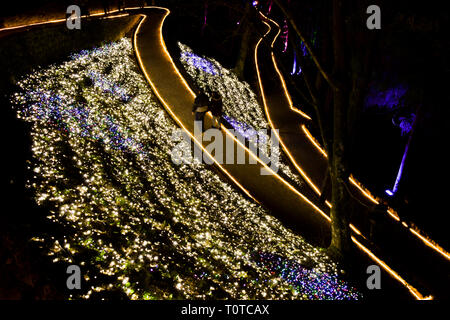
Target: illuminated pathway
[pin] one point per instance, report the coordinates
(284, 201)
(290, 205)
(176, 96)
(310, 160)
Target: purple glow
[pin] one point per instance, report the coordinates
(270, 7)
(405, 123)
(402, 164)
(294, 66)
(310, 283)
(303, 47)
(389, 192)
(199, 63)
(108, 86)
(400, 170)
(255, 3)
(205, 17)
(285, 35)
(245, 130)
(389, 98)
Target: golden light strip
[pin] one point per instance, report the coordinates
(351, 178)
(167, 107)
(84, 16)
(187, 87)
(63, 20)
(283, 82)
(117, 16)
(288, 96)
(311, 138)
(163, 44)
(390, 211)
(393, 214)
(303, 174)
(286, 150)
(411, 289)
(272, 126)
(300, 112)
(430, 244)
(308, 134)
(366, 193)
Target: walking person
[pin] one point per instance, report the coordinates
(216, 109)
(200, 107)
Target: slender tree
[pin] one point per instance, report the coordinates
(336, 79)
(245, 24)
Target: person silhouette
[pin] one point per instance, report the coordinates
(200, 107)
(216, 107)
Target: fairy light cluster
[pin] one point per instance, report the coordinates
(246, 131)
(240, 105)
(311, 285)
(139, 225)
(76, 118)
(199, 62)
(107, 86)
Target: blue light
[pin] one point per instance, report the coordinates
(388, 98)
(294, 66)
(78, 118)
(245, 130)
(107, 86)
(199, 63)
(389, 192)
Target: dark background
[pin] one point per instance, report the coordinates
(413, 48)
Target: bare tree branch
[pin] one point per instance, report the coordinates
(308, 47)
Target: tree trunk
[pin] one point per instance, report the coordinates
(341, 245)
(243, 50)
(340, 230)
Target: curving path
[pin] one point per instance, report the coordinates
(311, 162)
(286, 202)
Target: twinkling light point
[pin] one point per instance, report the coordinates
(241, 107)
(310, 284)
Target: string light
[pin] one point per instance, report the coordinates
(389, 270)
(138, 223)
(240, 105)
(309, 284)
